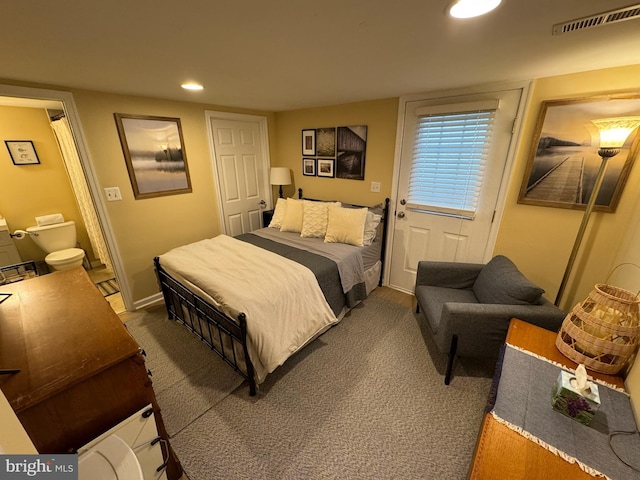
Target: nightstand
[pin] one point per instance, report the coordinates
(267, 215)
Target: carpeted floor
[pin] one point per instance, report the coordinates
(363, 401)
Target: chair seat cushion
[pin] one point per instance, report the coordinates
(431, 299)
(501, 282)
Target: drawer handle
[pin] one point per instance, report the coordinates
(162, 467)
(155, 440)
(147, 413)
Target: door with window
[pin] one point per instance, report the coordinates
(242, 164)
(452, 162)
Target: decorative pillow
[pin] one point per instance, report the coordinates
(371, 227)
(278, 213)
(500, 281)
(315, 217)
(346, 225)
(292, 221)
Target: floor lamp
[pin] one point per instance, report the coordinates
(280, 176)
(613, 134)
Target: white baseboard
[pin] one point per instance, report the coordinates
(151, 301)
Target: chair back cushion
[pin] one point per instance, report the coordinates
(501, 282)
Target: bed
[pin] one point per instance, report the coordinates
(258, 298)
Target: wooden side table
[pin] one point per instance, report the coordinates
(267, 215)
(504, 453)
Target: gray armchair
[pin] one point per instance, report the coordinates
(468, 306)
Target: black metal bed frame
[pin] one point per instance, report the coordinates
(221, 333)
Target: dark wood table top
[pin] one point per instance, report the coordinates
(58, 330)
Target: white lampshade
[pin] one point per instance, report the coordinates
(280, 176)
(614, 131)
(472, 8)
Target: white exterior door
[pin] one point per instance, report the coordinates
(240, 149)
(419, 234)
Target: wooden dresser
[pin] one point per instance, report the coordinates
(503, 453)
(81, 372)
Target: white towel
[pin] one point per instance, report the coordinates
(49, 219)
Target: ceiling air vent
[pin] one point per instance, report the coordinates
(614, 16)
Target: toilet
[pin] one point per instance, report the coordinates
(109, 459)
(58, 240)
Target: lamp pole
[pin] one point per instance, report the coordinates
(585, 219)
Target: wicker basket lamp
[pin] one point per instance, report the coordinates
(602, 332)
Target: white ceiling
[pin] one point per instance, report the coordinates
(287, 54)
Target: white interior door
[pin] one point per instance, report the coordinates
(419, 234)
(241, 161)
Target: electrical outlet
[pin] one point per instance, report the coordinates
(375, 186)
(113, 194)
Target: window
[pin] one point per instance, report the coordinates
(449, 157)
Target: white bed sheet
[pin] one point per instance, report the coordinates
(285, 311)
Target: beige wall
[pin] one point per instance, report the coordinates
(540, 239)
(28, 191)
(149, 227)
(380, 116)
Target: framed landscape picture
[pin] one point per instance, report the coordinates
(326, 167)
(326, 142)
(564, 162)
(309, 167)
(154, 153)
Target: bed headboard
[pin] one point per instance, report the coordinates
(384, 208)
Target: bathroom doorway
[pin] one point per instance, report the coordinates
(105, 269)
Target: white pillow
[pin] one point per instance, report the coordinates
(278, 213)
(346, 225)
(315, 217)
(292, 221)
(371, 227)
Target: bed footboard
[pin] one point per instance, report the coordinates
(221, 333)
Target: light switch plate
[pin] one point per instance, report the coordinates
(113, 194)
(375, 186)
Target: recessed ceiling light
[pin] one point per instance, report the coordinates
(192, 86)
(471, 8)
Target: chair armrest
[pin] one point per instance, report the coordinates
(466, 315)
(447, 274)
(482, 328)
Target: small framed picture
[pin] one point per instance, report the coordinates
(22, 152)
(326, 167)
(309, 167)
(309, 142)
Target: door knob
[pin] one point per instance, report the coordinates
(400, 214)
(263, 203)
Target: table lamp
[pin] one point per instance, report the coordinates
(280, 176)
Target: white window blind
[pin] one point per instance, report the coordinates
(449, 157)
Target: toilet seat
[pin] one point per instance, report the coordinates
(61, 257)
(110, 459)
